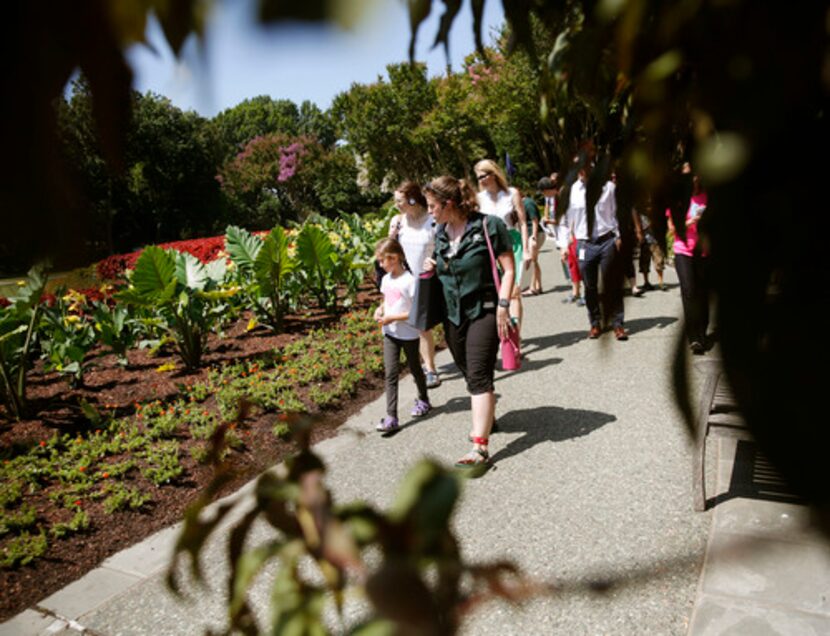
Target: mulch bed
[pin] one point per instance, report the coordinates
(107, 384)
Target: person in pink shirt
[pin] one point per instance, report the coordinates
(689, 262)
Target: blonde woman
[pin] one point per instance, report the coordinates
(495, 197)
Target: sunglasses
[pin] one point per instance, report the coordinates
(482, 177)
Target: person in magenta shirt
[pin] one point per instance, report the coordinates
(689, 262)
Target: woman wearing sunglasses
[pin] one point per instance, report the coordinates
(495, 197)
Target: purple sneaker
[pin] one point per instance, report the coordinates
(421, 408)
(388, 425)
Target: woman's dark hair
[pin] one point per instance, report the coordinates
(412, 192)
(459, 191)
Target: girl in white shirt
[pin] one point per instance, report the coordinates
(398, 288)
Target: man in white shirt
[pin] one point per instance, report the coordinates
(597, 250)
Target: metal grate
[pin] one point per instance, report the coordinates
(753, 476)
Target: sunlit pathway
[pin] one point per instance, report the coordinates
(592, 477)
(591, 484)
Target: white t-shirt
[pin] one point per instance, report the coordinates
(417, 241)
(501, 206)
(397, 299)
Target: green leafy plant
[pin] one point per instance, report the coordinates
(264, 267)
(121, 497)
(117, 329)
(163, 464)
(23, 549)
(321, 264)
(15, 521)
(78, 523)
(420, 584)
(18, 323)
(67, 336)
(185, 292)
(281, 430)
(10, 492)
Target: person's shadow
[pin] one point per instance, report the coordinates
(559, 340)
(644, 324)
(547, 424)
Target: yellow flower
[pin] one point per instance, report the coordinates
(72, 318)
(169, 366)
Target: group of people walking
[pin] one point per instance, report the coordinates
(482, 243)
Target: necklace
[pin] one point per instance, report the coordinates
(455, 239)
(455, 234)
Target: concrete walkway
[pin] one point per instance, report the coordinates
(592, 484)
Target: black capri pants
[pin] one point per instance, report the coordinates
(474, 345)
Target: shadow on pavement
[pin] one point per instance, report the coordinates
(528, 364)
(460, 404)
(564, 339)
(644, 324)
(753, 477)
(557, 288)
(547, 424)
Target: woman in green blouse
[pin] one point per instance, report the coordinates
(477, 315)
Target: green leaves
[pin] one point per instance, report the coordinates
(18, 330)
(317, 255)
(183, 292)
(272, 264)
(314, 249)
(406, 561)
(29, 294)
(154, 275)
(264, 267)
(242, 246)
(190, 272)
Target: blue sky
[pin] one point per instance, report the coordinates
(239, 59)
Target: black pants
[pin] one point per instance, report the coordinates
(474, 345)
(392, 369)
(602, 259)
(695, 294)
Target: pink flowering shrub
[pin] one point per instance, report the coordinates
(272, 178)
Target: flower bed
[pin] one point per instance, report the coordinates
(125, 469)
(205, 249)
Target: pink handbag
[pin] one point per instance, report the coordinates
(511, 359)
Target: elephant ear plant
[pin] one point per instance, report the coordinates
(264, 270)
(323, 267)
(18, 324)
(185, 293)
